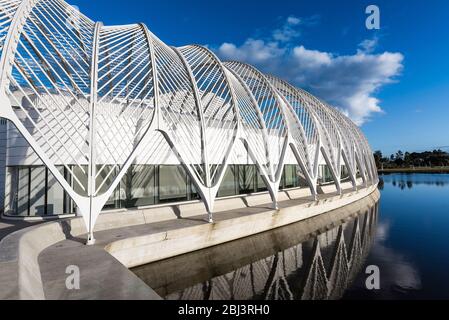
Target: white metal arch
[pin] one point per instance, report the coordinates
(272, 108)
(329, 136)
(89, 98)
(304, 132)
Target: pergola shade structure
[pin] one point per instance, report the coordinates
(92, 98)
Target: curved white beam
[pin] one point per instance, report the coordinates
(58, 88)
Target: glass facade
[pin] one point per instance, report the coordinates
(35, 192)
(344, 173)
(325, 175)
(139, 187)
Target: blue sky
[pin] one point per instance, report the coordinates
(394, 81)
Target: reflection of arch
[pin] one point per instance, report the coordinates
(89, 98)
(299, 272)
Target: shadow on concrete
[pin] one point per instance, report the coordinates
(66, 226)
(10, 226)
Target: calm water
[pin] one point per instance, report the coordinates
(405, 235)
(412, 242)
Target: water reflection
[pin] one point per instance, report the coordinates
(409, 181)
(315, 259)
(411, 247)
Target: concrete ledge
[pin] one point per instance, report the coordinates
(330, 188)
(133, 252)
(347, 185)
(20, 251)
(299, 193)
(165, 278)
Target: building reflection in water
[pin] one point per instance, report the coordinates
(315, 259)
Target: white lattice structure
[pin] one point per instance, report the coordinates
(92, 97)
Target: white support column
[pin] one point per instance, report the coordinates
(333, 172)
(350, 170)
(208, 199)
(311, 181)
(201, 115)
(307, 171)
(152, 53)
(92, 132)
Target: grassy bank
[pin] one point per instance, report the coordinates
(416, 170)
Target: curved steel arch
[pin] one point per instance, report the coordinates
(330, 140)
(89, 98)
(272, 109)
(304, 131)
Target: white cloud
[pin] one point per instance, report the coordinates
(288, 31)
(350, 82)
(292, 20)
(252, 51)
(368, 45)
(311, 58)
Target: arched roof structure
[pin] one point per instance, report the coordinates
(86, 95)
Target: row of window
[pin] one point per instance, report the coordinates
(35, 192)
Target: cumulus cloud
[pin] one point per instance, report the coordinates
(350, 82)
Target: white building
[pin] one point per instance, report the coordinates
(109, 117)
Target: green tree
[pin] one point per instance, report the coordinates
(378, 158)
(399, 159)
(407, 159)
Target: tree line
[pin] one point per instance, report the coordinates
(436, 158)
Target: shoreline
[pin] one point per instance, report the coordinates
(444, 170)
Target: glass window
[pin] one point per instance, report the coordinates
(37, 191)
(138, 186)
(301, 180)
(20, 192)
(104, 180)
(247, 174)
(11, 188)
(228, 185)
(23, 192)
(193, 193)
(172, 184)
(261, 186)
(298, 176)
(325, 175)
(55, 195)
(289, 176)
(79, 180)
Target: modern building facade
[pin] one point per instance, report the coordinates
(102, 117)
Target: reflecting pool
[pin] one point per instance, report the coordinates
(404, 235)
(411, 247)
